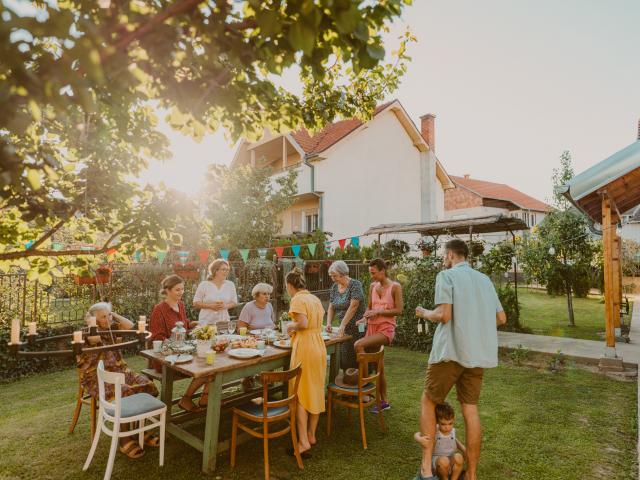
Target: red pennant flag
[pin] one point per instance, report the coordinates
(279, 251)
(203, 255)
(342, 243)
(111, 251)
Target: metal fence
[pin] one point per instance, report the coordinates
(133, 289)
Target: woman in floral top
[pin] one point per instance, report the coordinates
(347, 304)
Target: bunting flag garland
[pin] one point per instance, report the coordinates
(244, 253)
(112, 251)
(341, 242)
(203, 255)
(355, 241)
(312, 249)
(57, 246)
(296, 250)
(224, 253)
(161, 255)
(262, 252)
(183, 255)
(327, 248)
(137, 256)
(279, 251)
(29, 244)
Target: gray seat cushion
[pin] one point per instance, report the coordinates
(137, 404)
(258, 411)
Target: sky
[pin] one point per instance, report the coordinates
(512, 83)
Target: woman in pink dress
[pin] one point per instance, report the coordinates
(385, 304)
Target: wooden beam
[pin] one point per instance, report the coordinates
(284, 152)
(616, 277)
(607, 242)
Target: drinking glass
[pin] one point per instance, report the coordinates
(232, 327)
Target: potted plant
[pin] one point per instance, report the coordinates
(84, 279)
(188, 271)
(204, 335)
(103, 274)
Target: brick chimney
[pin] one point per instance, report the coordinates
(428, 129)
(467, 176)
(638, 129)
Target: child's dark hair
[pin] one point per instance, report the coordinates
(444, 411)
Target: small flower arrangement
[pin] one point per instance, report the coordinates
(206, 332)
(284, 317)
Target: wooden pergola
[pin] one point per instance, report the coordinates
(603, 193)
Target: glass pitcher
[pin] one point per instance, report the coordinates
(178, 334)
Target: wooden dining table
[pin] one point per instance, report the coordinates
(225, 370)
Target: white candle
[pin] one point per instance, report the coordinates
(15, 331)
(77, 336)
(142, 326)
(91, 322)
(142, 318)
(32, 328)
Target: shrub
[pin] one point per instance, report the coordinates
(508, 299)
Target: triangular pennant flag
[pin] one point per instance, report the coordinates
(161, 255)
(57, 246)
(203, 255)
(244, 253)
(355, 241)
(296, 250)
(263, 253)
(279, 251)
(224, 253)
(183, 255)
(327, 247)
(112, 251)
(137, 256)
(29, 244)
(312, 249)
(341, 242)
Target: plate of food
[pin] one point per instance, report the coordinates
(286, 344)
(244, 353)
(244, 342)
(259, 331)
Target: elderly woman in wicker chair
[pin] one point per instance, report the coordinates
(107, 320)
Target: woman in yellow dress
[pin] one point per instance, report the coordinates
(308, 350)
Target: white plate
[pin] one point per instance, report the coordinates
(179, 358)
(259, 331)
(229, 337)
(244, 353)
(282, 344)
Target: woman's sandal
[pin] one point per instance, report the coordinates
(132, 450)
(151, 439)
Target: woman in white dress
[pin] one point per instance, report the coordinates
(216, 295)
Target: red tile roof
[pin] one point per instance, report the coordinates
(501, 191)
(329, 135)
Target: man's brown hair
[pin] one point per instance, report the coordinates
(457, 246)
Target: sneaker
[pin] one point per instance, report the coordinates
(383, 406)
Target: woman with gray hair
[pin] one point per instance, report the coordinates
(258, 314)
(106, 319)
(347, 304)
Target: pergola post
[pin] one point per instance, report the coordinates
(608, 233)
(617, 280)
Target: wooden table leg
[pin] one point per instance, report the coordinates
(166, 389)
(212, 426)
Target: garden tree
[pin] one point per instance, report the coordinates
(560, 176)
(244, 207)
(81, 84)
(498, 260)
(561, 255)
(630, 258)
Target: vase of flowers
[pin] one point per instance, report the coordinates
(103, 274)
(204, 335)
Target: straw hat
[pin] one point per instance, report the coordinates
(348, 378)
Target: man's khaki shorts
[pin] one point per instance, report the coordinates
(441, 377)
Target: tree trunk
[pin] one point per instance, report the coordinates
(572, 322)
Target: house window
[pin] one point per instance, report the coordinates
(296, 221)
(311, 221)
(533, 219)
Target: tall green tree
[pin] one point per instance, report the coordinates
(244, 204)
(560, 176)
(81, 82)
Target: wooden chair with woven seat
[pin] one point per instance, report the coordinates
(271, 411)
(84, 398)
(367, 386)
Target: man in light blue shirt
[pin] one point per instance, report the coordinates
(465, 342)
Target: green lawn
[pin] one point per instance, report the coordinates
(569, 425)
(547, 315)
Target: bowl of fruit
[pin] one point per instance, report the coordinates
(220, 345)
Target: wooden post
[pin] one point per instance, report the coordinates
(253, 158)
(607, 241)
(284, 152)
(616, 277)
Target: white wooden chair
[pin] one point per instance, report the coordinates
(134, 408)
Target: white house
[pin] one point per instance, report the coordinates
(475, 198)
(631, 224)
(353, 175)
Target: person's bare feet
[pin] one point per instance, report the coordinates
(303, 447)
(312, 440)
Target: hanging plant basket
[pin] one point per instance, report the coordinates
(84, 280)
(187, 271)
(312, 267)
(103, 274)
